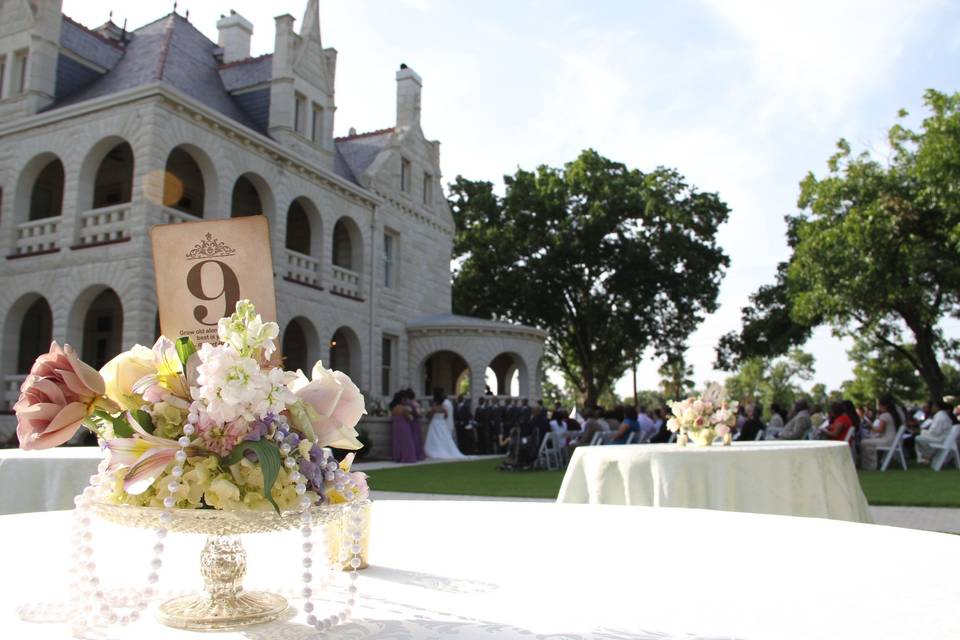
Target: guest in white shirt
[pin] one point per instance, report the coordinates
(648, 427)
(775, 425)
(934, 431)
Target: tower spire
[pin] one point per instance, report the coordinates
(311, 20)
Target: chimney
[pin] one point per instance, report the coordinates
(409, 85)
(235, 32)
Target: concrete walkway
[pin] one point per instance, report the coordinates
(926, 518)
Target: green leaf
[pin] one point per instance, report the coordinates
(143, 419)
(185, 349)
(119, 423)
(269, 457)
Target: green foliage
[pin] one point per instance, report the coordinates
(606, 259)
(878, 370)
(876, 251)
(769, 381)
(269, 457)
(185, 348)
(676, 377)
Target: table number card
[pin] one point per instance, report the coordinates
(203, 268)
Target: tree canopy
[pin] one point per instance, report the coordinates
(770, 380)
(875, 252)
(606, 259)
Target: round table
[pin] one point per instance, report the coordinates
(796, 478)
(45, 480)
(510, 570)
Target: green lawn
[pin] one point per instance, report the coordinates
(918, 487)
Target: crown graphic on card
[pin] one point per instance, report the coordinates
(204, 268)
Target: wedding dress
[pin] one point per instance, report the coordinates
(441, 441)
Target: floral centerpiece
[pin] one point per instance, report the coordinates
(703, 418)
(222, 427)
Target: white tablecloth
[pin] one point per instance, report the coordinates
(801, 478)
(44, 480)
(510, 570)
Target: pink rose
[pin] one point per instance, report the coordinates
(55, 398)
(334, 406)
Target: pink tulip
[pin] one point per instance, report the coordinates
(56, 396)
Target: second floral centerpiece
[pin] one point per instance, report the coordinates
(219, 428)
(703, 418)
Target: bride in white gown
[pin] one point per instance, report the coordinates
(441, 435)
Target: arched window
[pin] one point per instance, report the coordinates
(114, 181)
(36, 331)
(245, 200)
(183, 186)
(295, 348)
(102, 329)
(46, 198)
(345, 353)
(445, 370)
(342, 246)
(298, 229)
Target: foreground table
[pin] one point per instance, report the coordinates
(799, 478)
(510, 570)
(44, 480)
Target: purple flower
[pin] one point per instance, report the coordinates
(259, 429)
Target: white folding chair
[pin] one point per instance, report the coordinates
(549, 454)
(946, 449)
(894, 448)
(673, 436)
(597, 439)
(760, 434)
(631, 437)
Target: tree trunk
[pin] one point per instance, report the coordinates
(929, 368)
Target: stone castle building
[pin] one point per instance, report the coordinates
(106, 132)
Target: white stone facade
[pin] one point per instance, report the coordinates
(151, 152)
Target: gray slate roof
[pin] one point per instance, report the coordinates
(359, 151)
(170, 50)
(88, 45)
(247, 73)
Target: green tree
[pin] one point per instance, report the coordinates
(881, 370)
(606, 259)
(676, 377)
(875, 251)
(771, 380)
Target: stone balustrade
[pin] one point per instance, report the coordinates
(11, 390)
(346, 282)
(104, 225)
(303, 269)
(37, 236)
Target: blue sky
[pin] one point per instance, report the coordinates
(742, 97)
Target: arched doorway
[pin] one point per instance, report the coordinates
(46, 196)
(299, 236)
(447, 370)
(245, 200)
(347, 245)
(509, 372)
(300, 348)
(113, 183)
(102, 329)
(184, 188)
(345, 353)
(36, 333)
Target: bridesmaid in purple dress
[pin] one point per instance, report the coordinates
(416, 428)
(403, 447)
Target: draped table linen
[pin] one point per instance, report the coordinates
(45, 480)
(467, 570)
(796, 478)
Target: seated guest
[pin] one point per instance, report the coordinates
(882, 432)
(538, 422)
(648, 427)
(799, 424)
(591, 427)
(840, 423)
(660, 422)
(628, 426)
(775, 425)
(935, 432)
(752, 425)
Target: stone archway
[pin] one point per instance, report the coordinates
(345, 354)
(443, 369)
(301, 345)
(102, 334)
(510, 373)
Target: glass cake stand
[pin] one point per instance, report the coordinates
(223, 562)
